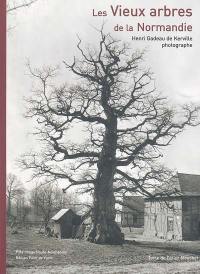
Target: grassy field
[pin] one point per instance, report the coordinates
(29, 252)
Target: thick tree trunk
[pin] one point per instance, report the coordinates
(104, 228)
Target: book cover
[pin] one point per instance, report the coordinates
(103, 150)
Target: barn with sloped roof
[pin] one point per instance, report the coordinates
(174, 212)
(132, 214)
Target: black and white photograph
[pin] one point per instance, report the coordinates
(103, 147)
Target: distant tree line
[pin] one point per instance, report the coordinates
(37, 205)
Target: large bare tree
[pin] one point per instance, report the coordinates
(123, 121)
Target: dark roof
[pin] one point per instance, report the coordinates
(180, 185)
(133, 203)
(189, 184)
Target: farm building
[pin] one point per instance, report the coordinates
(175, 216)
(132, 211)
(65, 223)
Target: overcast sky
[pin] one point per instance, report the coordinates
(46, 34)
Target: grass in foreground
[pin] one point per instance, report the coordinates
(75, 252)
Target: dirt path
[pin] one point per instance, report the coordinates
(148, 268)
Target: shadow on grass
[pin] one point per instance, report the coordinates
(166, 246)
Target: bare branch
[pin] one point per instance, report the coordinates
(15, 5)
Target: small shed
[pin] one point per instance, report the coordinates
(65, 223)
